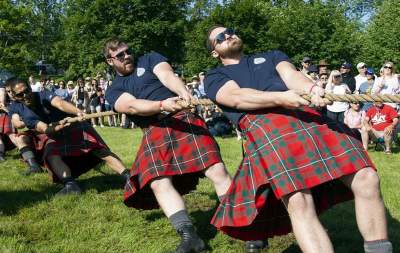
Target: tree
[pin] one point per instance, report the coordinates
(316, 28)
(146, 25)
(380, 42)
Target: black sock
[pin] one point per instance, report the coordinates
(27, 153)
(2, 149)
(180, 219)
(378, 246)
(126, 174)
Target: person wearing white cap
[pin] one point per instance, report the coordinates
(361, 77)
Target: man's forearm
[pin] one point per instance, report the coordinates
(69, 108)
(143, 107)
(250, 99)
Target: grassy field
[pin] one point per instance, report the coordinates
(32, 219)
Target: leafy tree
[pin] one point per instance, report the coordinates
(146, 25)
(16, 39)
(316, 28)
(380, 42)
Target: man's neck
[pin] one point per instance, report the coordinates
(231, 60)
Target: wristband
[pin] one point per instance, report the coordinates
(50, 129)
(312, 87)
(161, 106)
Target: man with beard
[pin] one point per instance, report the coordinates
(296, 164)
(176, 147)
(10, 138)
(68, 150)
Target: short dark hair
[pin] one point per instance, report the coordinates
(112, 44)
(13, 81)
(209, 43)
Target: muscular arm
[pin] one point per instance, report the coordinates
(17, 121)
(127, 103)
(166, 75)
(231, 95)
(64, 106)
(294, 79)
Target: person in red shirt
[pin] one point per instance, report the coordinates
(380, 122)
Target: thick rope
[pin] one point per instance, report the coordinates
(386, 98)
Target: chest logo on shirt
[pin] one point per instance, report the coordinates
(259, 60)
(140, 71)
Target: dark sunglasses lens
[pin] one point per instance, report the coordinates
(229, 31)
(128, 51)
(220, 37)
(388, 67)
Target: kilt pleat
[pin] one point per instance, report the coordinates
(177, 146)
(6, 128)
(74, 144)
(286, 151)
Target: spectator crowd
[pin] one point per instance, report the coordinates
(374, 122)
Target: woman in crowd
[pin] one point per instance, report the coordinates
(336, 110)
(353, 117)
(388, 83)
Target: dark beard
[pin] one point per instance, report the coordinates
(233, 50)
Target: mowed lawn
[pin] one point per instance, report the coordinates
(33, 219)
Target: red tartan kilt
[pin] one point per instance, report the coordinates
(6, 128)
(287, 151)
(74, 144)
(179, 146)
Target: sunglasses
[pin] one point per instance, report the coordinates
(121, 56)
(221, 36)
(387, 67)
(363, 67)
(337, 76)
(21, 94)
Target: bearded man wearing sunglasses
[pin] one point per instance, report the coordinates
(296, 164)
(177, 148)
(67, 150)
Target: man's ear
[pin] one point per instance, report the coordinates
(109, 62)
(214, 54)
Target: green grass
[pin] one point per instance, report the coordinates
(32, 219)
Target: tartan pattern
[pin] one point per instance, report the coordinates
(6, 126)
(74, 144)
(286, 151)
(179, 146)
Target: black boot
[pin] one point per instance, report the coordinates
(70, 187)
(190, 241)
(256, 246)
(2, 159)
(34, 167)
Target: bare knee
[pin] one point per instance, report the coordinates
(301, 204)
(366, 183)
(217, 173)
(161, 184)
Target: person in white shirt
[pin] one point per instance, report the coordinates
(336, 110)
(388, 83)
(362, 75)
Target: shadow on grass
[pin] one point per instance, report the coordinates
(12, 201)
(340, 223)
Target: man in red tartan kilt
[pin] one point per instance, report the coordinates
(9, 138)
(176, 147)
(296, 164)
(67, 150)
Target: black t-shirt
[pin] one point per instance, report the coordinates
(43, 110)
(256, 71)
(142, 83)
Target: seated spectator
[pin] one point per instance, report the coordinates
(336, 110)
(96, 105)
(323, 67)
(347, 76)
(62, 92)
(322, 80)
(313, 73)
(388, 83)
(366, 87)
(380, 122)
(353, 117)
